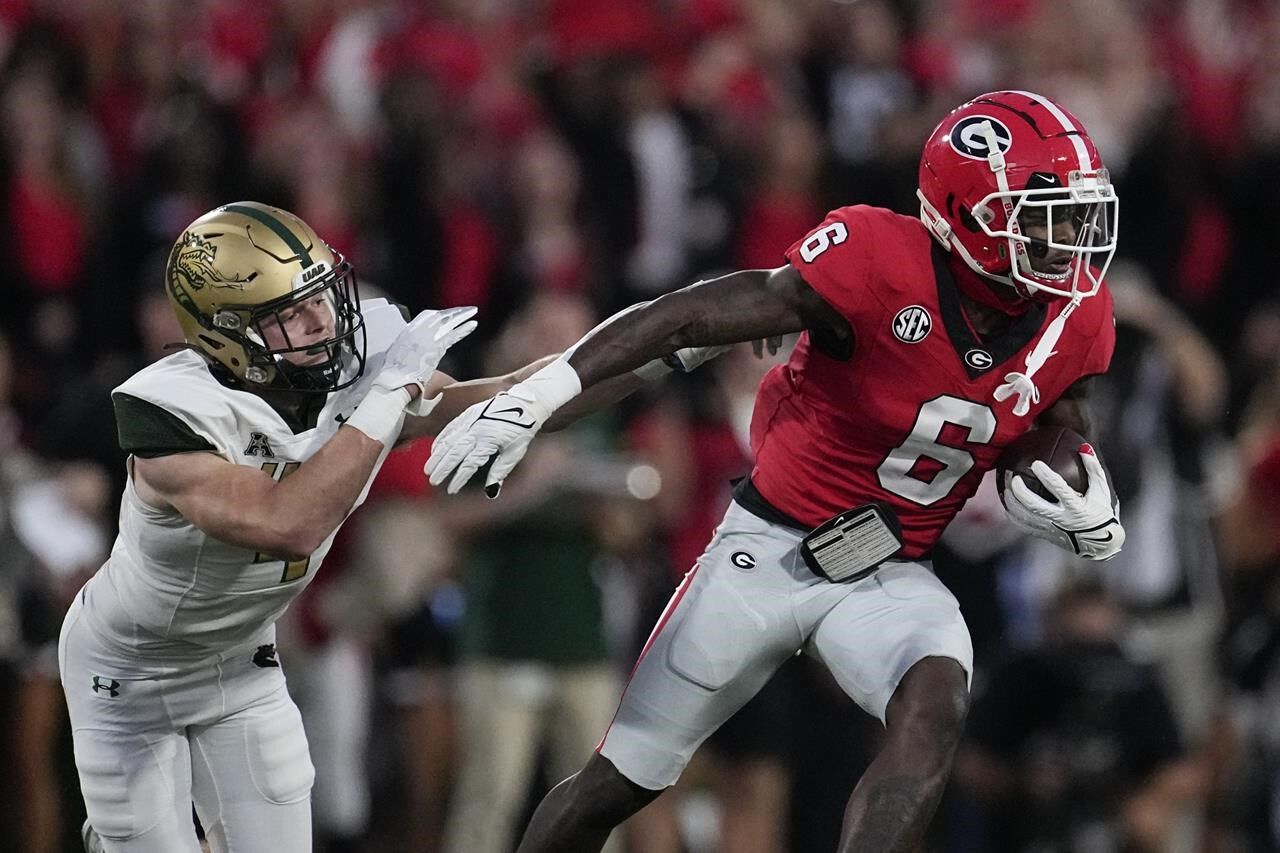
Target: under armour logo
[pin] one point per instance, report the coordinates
(259, 446)
(265, 656)
(106, 685)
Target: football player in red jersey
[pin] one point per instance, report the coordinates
(928, 345)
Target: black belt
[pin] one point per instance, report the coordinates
(868, 535)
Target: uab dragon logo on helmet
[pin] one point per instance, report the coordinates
(238, 275)
(1009, 160)
(193, 260)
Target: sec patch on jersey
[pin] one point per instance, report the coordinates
(1057, 447)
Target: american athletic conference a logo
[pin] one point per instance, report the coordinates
(912, 324)
(969, 137)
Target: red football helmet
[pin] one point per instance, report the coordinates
(1007, 162)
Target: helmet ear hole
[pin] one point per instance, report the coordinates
(967, 220)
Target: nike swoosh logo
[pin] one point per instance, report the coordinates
(342, 419)
(515, 410)
(1108, 538)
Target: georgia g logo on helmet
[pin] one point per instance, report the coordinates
(969, 136)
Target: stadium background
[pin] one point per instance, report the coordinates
(551, 161)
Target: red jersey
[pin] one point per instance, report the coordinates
(909, 419)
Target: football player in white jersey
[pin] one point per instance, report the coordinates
(247, 451)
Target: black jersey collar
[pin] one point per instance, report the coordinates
(979, 357)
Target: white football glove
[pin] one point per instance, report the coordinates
(1087, 525)
(416, 352)
(410, 360)
(501, 427)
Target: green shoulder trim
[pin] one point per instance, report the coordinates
(147, 430)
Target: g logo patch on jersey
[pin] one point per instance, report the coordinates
(742, 560)
(912, 324)
(978, 359)
(969, 137)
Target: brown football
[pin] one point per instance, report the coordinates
(1057, 447)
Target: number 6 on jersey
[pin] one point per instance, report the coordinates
(822, 239)
(894, 472)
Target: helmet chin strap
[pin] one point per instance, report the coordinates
(1021, 383)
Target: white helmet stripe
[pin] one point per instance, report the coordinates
(1076, 140)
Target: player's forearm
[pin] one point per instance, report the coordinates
(310, 503)
(733, 308)
(455, 397)
(321, 492)
(459, 395)
(1075, 414)
(286, 517)
(593, 399)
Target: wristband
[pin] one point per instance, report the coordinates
(551, 387)
(380, 414)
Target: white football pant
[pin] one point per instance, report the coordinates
(749, 603)
(224, 733)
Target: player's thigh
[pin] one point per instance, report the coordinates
(725, 632)
(884, 625)
(133, 764)
(136, 790)
(252, 776)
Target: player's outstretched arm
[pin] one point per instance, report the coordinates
(746, 305)
(456, 397)
(244, 506)
(291, 518)
(742, 306)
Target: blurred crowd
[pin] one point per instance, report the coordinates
(551, 161)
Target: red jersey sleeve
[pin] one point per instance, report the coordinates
(833, 257)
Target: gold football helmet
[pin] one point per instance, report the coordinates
(239, 275)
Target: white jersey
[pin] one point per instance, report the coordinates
(170, 590)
